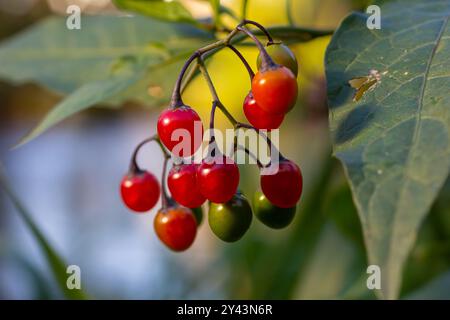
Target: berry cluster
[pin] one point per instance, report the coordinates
(216, 179)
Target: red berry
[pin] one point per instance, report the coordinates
(218, 178)
(182, 183)
(176, 227)
(284, 188)
(140, 191)
(258, 117)
(180, 130)
(275, 90)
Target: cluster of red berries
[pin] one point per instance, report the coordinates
(216, 178)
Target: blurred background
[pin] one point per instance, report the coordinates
(68, 179)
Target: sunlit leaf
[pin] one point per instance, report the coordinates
(165, 10)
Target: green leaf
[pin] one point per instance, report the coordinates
(56, 263)
(172, 11)
(84, 97)
(63, 60)
(393, 142)
(111, 59)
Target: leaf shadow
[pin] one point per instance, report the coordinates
(358, 119)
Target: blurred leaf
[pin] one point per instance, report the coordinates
(172, 11)
(437, 289)
(64, 60)
(54, 260)
(216, 9)
(324, 280)
(340, 207)
(394, 142)
(82, 98)
(110, 60)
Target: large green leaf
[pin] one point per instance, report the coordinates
(394, 142)
(56, 263)
(111, 59)
(64, 60)
(165, 10)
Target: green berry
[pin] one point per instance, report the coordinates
(229, 221)
(272, 216)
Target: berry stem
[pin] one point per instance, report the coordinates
(266, 137)
(134, 167)
(216, 99)
(176, 100)
(165, 200)
(246, 64)
(260, 27)
(267, 62)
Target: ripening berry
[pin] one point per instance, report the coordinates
(258, 117)
(284, 188)
(140, 191)
(176, 227)
(182, 183)
(275, 90)
(180, 130)
(218, 178)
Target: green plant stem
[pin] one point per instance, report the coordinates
(56, 263)
(213, 91)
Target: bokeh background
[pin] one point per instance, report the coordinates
(68, 179)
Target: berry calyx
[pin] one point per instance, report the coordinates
(182, 183)
(218, 178)
(283, 188)
(140, 191)
(258, 117)
(282, 55)
(271, 215)
(176, 227)
(180, 130)
(230, 221)
(275, 90)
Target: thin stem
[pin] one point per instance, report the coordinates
(176, 100)
(259, 26)
(220, 105)
(165, 200)
(134, 167)
(267, 61)
(246, 64)
(211, 118)
(268, 140)
(208, 80)
(238, 147)
(189, 76)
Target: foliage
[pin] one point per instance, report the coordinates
(393, 142)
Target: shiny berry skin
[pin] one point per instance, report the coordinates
(275, 90)
(182, 183)
(176, 227)
(140, 191)
(179, 143)
(282, 55)
(283, 188)
(218, 178)
(258, 117)
(272, 216)
(230, 221)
